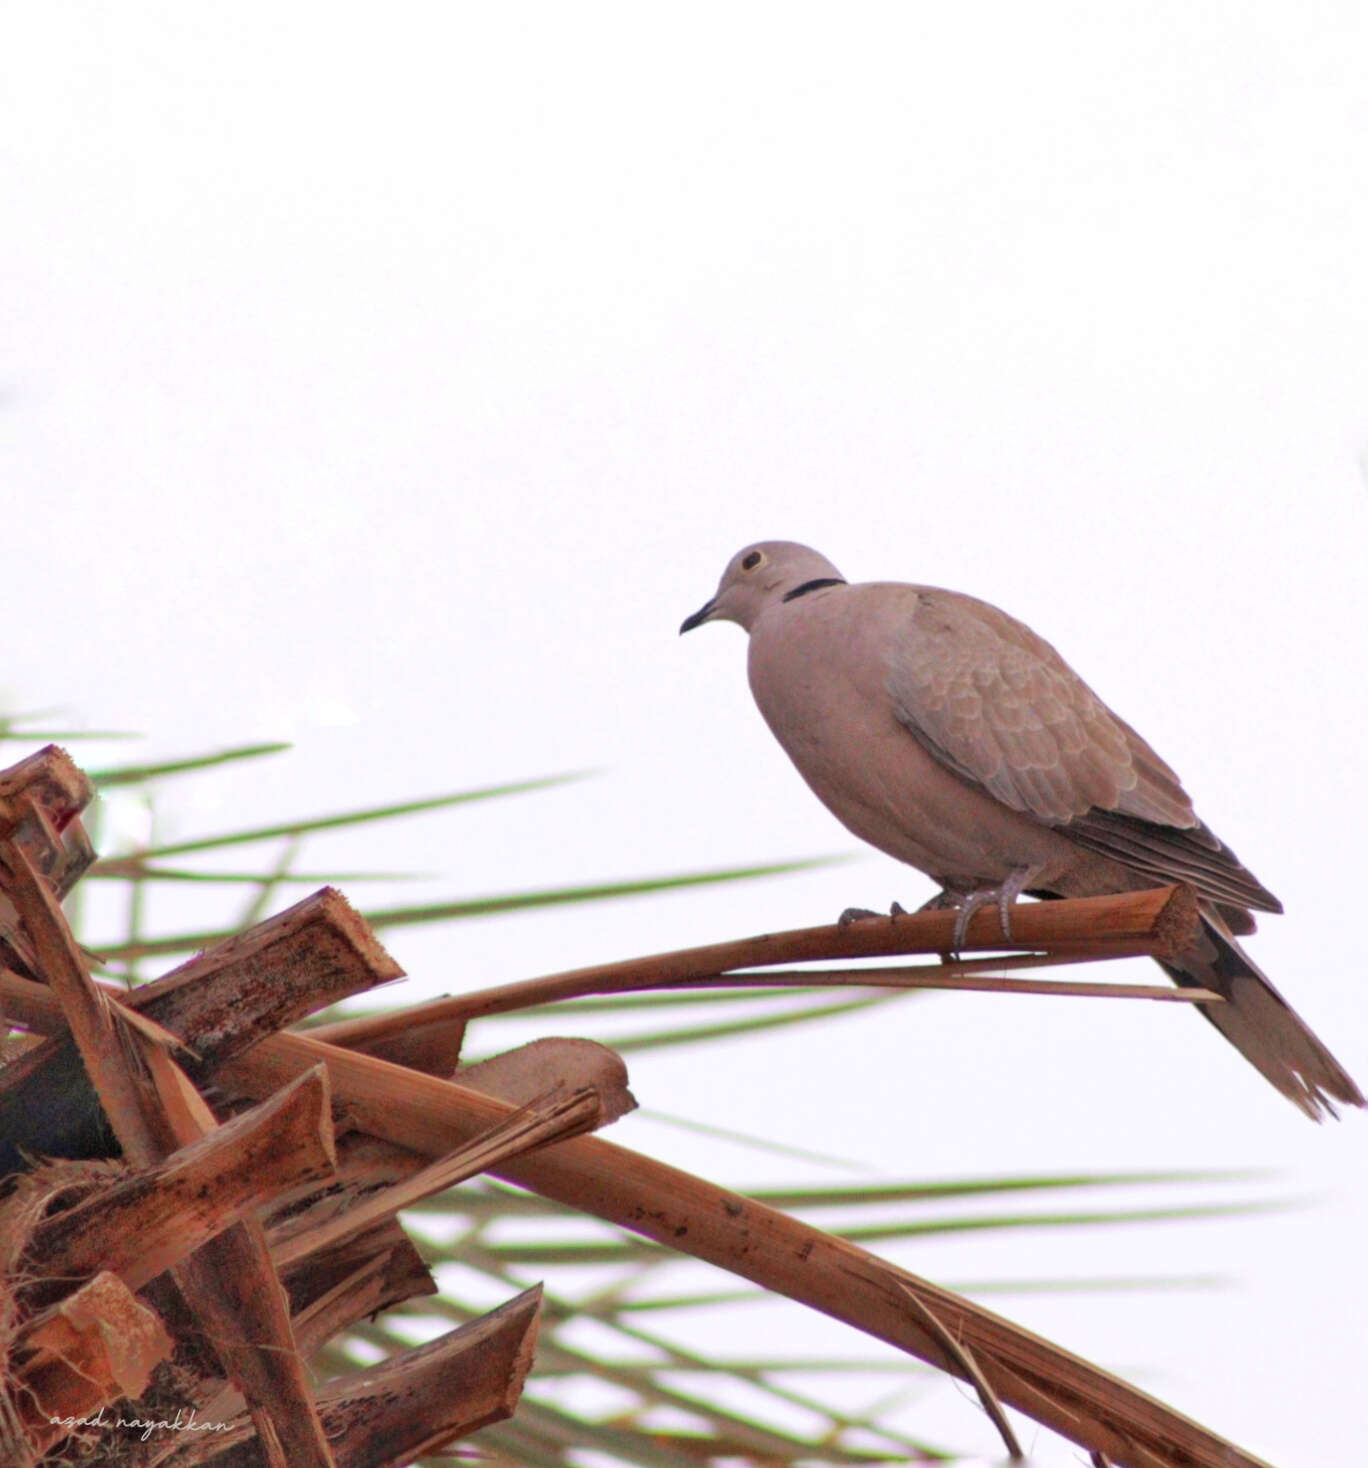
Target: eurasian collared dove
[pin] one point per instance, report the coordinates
(950, 736)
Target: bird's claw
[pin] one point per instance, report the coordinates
(967, 904)
(858, 914)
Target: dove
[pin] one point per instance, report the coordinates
(950, 736)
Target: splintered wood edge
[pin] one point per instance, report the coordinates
(327, 908)
(160, 1215)
(389, 1271)
(348, 924)
(253, 983)
(1177, 922)
(463, 1380)
(419, 1399)
(96, 1346)
(52, 780)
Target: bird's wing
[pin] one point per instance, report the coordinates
(999, 705)
(996, 704)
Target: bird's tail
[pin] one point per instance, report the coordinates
(1260, 1023)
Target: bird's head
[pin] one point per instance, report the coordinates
(760, 575)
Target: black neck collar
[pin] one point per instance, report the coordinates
(816, 585)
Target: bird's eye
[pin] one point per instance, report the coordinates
(752, 561)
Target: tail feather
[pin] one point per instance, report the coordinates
(1260, 1023)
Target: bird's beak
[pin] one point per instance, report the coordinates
(699, 617)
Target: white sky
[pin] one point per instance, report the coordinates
(396, 378)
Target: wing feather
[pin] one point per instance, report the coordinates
(997, 705)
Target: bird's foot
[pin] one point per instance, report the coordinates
(968, 903)
(859, 914)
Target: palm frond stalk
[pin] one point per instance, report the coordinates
(261, 1170)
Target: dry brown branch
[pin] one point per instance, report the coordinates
(229, 1285)
(381, 1164)
(969, 1369)
(1156, 922)
(434, 1117)
(152, 1220)
(550, 1063)
(153, 1108)
(28, 1005)
(241, 1308)
(40, 799)
(434, 1048)
(387, 1269)
(547, 1119)
(59, 857)
(1080, 1401)
(235, 993)
(98, 1345)
(183, 1114)
(330, 1291)
(93, 1021)
(222, 1001)
(1137, 923)
(415, 1402)
(365, 1165)
(234, 1292)
(952, 976)
(52, 780)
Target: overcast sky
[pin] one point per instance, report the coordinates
(394, 379)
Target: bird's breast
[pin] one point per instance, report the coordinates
(819, 676)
